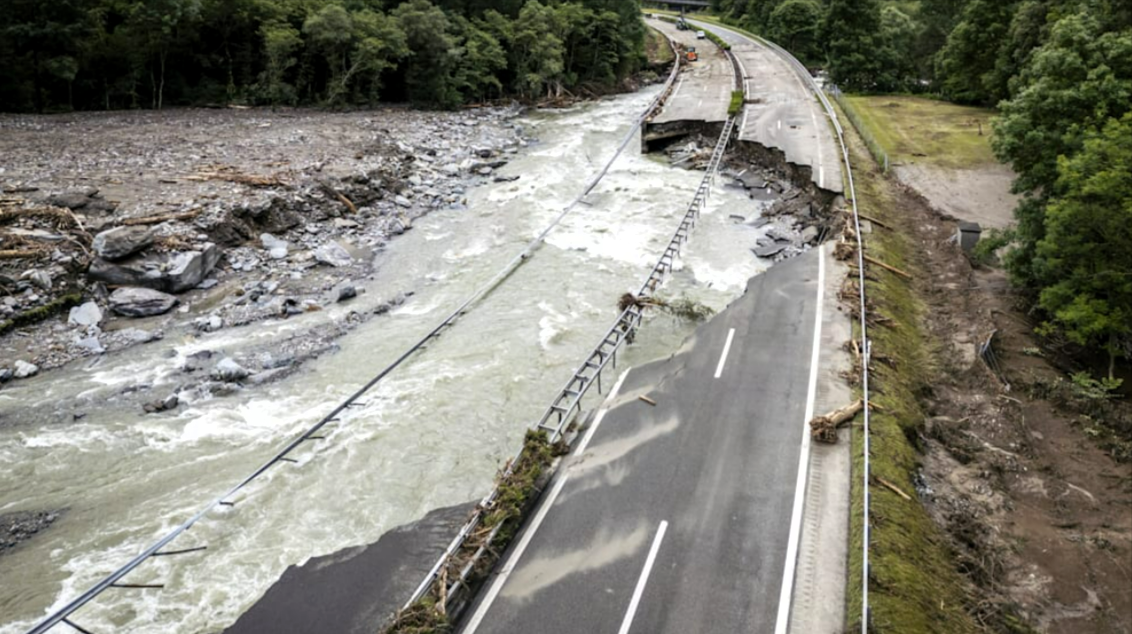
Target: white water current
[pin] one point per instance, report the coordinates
(432, 434)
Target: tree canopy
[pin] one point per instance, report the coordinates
(88, 54)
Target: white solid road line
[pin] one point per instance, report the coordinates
(786, 595)
(544, 508)
(723, 356)
(640, 589)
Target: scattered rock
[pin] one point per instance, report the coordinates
(24, 369)
(174, 273)
(141, 302)
(347, 292)
(401, 201)
(484, 171)
(164, 405)
(737, 217)
(85, 315)
(118, 243)
(505, 179)
(41, 279)
(769, 251)
(229, 371)
(74, 198)
(23, 525)
(276, 248)
(809, 234)
(137, 335)
(5, 375)
(91, 345)
(333, 254)
(197, 360)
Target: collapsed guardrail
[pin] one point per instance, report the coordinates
(561, 412)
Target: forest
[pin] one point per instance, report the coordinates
(1059, 73)
(112, 54)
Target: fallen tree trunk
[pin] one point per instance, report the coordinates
(156, 220)
(824, 428)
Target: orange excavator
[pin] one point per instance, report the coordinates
(690, 54)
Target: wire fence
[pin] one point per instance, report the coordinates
(875, 148)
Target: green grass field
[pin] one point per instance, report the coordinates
(926, 131)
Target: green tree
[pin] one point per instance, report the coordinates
(537, 50)
(357, 47)
(794, 26)
(1073, 83)
(855, 43)
(158, 26)
(45, 42)
(1086, 255)
(481, 59)
(966, 66)
(433, 56)
(280, 42)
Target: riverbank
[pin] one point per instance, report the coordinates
(222, 217)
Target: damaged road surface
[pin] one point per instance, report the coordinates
(674, 513)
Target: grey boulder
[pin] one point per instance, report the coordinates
(174, 273)
(86, 315)
(229, 371)
(333, 254)
(24, 369)
(115, 244)
(141, 302)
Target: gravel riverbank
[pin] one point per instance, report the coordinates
(117, 229)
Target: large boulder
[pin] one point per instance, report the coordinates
(24, 369)
(141, 302)
(169, 273)
(115, 244)
(86, 315)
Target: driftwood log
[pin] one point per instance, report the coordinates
(824, 428)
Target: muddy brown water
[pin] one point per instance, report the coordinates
(432, 435)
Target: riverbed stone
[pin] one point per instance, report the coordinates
(39, 278)
(347, 292)
(333, 254)
(23, 369)
(141, 302)
(809, 234)
(114, 244)
(401, 201)
(197, 360)
(169, 273)
(276, 248)
(5, 375)
(91, 345)
(85, 315)
(228, 371)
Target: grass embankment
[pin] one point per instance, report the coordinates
(658, 50)
(924, 130)
(914, 586)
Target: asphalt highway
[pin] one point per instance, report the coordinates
(703, 90)
(781, 112)
(681, 516)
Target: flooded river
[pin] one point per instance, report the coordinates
(432, 434)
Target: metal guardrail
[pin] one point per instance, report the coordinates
(568, 401)
(866, 345)
(111, 581)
